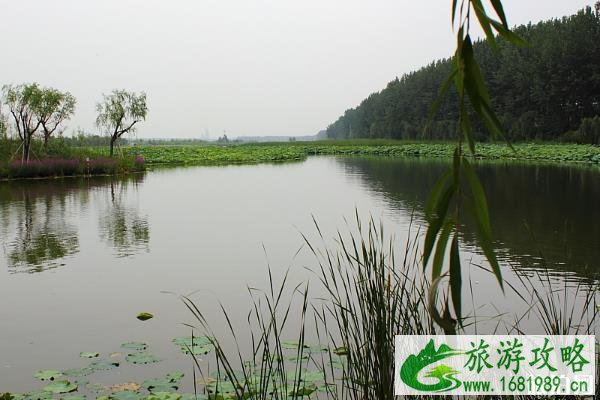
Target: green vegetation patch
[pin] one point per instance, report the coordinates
(295, 151)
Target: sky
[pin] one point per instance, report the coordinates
(240, 67)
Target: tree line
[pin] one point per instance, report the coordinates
(34, 112)
(547, 90)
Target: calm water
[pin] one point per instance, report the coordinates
(80, 258)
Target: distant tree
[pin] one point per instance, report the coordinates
(23, 102)
(223, 139)
(540, 91)
(589, 131)
(119, 112)
(55, 107)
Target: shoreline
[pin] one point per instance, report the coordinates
(282, 152)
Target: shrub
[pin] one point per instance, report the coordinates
(42, 168)
(101, 166)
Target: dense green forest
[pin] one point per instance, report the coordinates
(549, 90)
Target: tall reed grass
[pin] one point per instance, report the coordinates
(370, 296)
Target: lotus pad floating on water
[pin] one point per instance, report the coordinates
(196, 345)
(47, 375)
(126, 395)
(142, 358)
(175, 376)
(291, 345)
(135, 346)
(130, 386)
(73, 397)
(144, 316)
(103, 365)
(160, 385)
(198, 350)
(189, 341)
(78, 372)
(37, 395)
(306, 376)
(89, 354)
(223, 388)
(60, 387)
(303, 391)
(192, 396)
(164, 396)
(97, 388)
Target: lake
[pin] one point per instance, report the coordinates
(82, 257)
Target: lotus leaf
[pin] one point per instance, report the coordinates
(78, 371)
(135, 346)
(318, 348)
(47, 375)
(37, 395)
(144, 316)
(60, 387)
(126, 395)
(90, 354)
(197, 349)
(73, 397)
(160, 385)
(131, 386)
(303, 391)
(290, 345)
(189, 341)
(142, 358)
(175, 376)
(103, 365)
(224, 388)
(97, 388)
(191, 396)
(164, 396)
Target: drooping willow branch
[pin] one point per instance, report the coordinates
(460, 186)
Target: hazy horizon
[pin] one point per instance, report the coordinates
(244, 68)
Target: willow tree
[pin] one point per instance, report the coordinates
(119, 112)
(54, 108)
(23, 102)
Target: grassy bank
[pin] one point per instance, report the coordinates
(275, 152)
(69, 161)
(60, 159)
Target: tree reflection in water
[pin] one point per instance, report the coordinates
(121, 225)
(37, 230)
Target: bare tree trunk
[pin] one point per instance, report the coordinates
(26, 149)
(112, 145)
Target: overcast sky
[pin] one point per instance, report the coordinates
(247, 67)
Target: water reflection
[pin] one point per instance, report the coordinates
(121, 226)
(543, 216)
(41, 234)
(40, 220)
